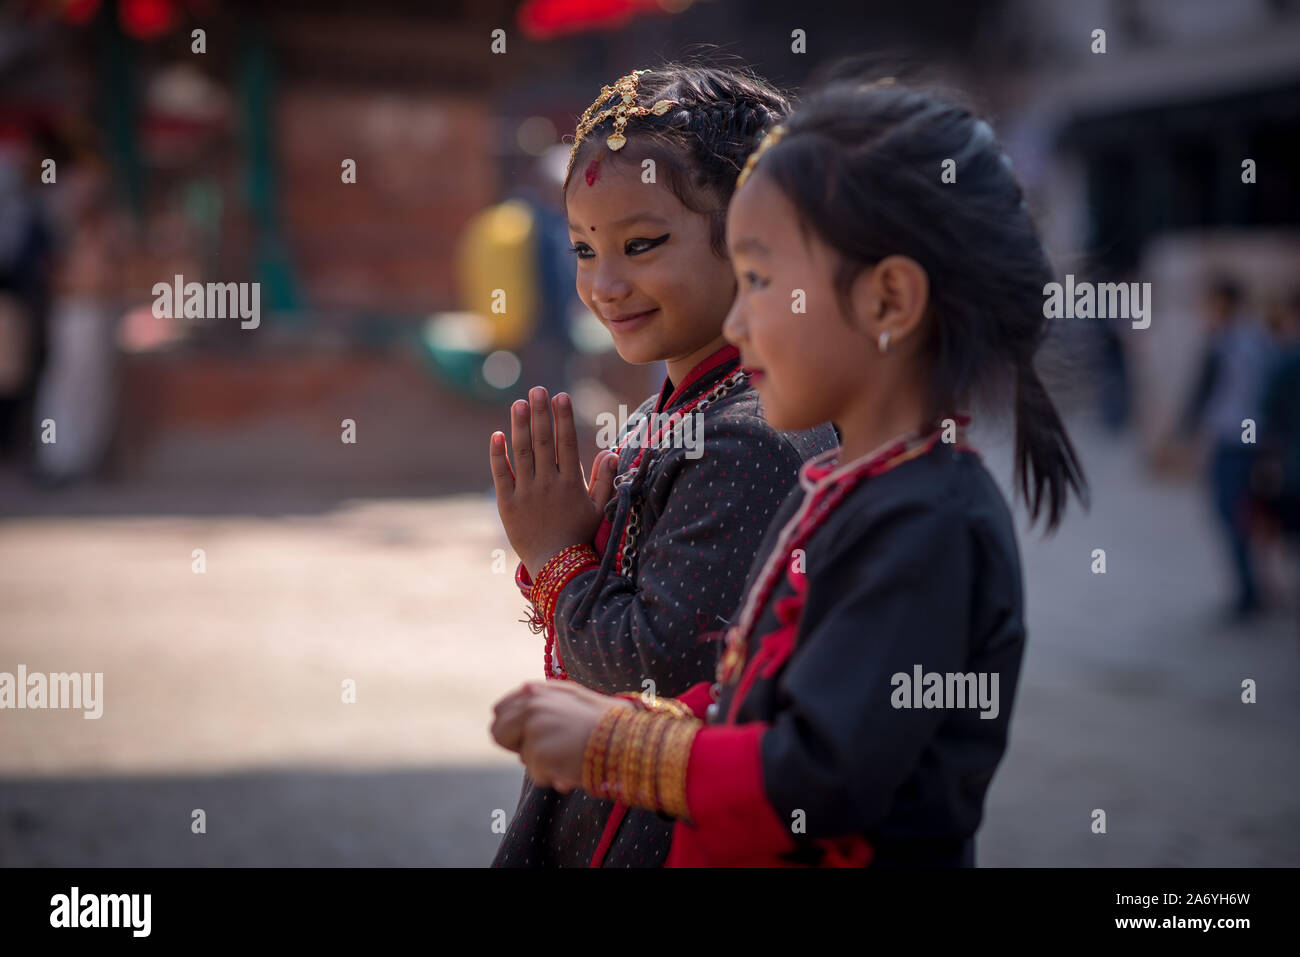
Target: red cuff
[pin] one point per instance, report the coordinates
(698, 698)
(554, 576)
(524, 582)
(563, 583)
(731, 820)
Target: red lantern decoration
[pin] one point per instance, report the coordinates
(79, 12)
(147, 19)
(543, 19)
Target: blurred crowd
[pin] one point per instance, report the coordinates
(59, 234)
(1245, 410)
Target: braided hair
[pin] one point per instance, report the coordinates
(701, 143)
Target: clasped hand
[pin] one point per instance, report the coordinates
(548, 725)
(545, 500)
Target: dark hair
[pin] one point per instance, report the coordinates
(863, 165)
(1228, 289)
(700, 144)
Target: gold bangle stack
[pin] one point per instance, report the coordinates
(668, 706)
(555, 574)
(593, 759)
(648, 793)
(639, 758)
(629, 782)
(674, 756)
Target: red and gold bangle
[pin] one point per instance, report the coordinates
(634, 697)
(555, 574)
(607, 784)
(593, 759)
(624, 755)
(522, 581)
(630, 765)
(640, 758)
(630, 729)
(672, 707)
(667, 706)
(674, 757)
(642, 761)
(649, 796)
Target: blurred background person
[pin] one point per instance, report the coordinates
(1278, 469)
(78, 387)
(546, 356)
(25, 273)
(1236, 362)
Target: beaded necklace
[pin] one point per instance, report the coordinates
(628, 539)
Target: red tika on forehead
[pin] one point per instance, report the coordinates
(593, 172)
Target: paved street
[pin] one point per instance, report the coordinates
(223, 690)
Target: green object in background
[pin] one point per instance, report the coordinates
(454, 345)
(273, 267)
(119, 105)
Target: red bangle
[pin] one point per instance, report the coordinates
(556, 573)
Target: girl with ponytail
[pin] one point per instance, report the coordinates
(863, 700)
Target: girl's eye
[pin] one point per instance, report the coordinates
(635, 247)
(754, 280)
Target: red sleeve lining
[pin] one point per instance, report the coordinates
(730, 812)
(698, 698)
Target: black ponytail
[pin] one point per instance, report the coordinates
(1047, 465)
(863, 164)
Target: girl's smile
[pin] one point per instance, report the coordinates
(629, 322)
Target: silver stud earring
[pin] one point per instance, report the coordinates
(884, 342)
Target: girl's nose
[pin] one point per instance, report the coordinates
(607, 285)
(733, 327)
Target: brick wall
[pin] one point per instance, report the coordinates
(385, 243)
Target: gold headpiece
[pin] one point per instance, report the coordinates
(625, 88)
(771, 139)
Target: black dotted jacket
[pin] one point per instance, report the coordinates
(700, 521)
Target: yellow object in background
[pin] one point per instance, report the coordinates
(497, 271)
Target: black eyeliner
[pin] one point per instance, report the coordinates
(651, 243)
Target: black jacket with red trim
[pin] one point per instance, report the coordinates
(917, 571)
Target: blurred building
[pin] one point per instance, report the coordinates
(230, 165)
(1168, 158)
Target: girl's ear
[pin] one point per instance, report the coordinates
(890, 296)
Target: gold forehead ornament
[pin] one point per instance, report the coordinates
(625, 89)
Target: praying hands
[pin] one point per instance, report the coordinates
(545, 500)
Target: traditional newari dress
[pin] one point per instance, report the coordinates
(652, 600)
(801, 752)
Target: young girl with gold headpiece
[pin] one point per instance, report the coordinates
(865, 692)
(632, 573)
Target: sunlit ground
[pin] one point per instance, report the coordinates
(223, 691)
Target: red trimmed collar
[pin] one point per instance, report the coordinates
(824, 469)
(706, 365)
